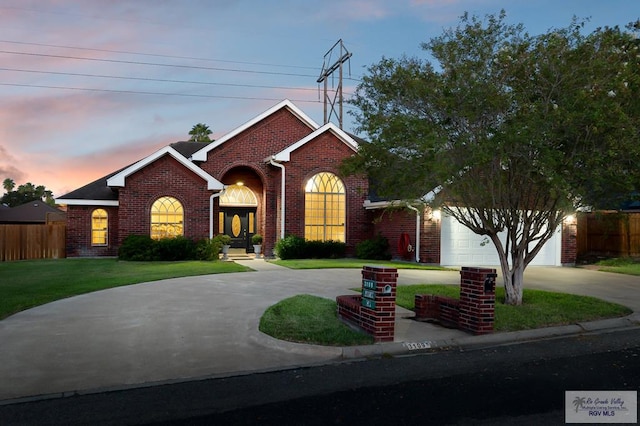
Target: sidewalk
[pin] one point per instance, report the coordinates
(207, 326)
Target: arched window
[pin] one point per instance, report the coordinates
(239, 196)
(324, 208)
(167, 218)
(99, 227)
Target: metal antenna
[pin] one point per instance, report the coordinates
(328, 70)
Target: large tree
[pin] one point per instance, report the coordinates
(26, 193)
(200, 133)
(513, 132)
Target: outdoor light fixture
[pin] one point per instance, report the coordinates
(436, 215)
(570, 219)
(240, 183)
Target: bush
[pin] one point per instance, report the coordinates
(374, 249)
(208, 249)
(144, 248)
(138, 248)
(177, 248)
(223, 239)
(292, 247)
(256, 239)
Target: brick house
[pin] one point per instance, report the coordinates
(277, 174)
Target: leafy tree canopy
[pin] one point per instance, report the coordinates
(200, 133)
(25, 193)
(511, 131)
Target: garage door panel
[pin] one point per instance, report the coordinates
(461, 247)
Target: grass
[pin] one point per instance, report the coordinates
(310, 319)
(26, 284)
(620, 265)
(539, 308)
(351, 264)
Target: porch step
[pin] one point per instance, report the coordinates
(239, 254)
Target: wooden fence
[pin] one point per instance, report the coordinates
(608, 234)
(22, 242)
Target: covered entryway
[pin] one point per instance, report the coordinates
(238, 207)
(461, 247)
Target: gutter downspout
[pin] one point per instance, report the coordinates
(217, 194)
(273, 162)
(417, 232)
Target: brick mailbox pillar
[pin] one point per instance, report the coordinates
(378, 311)
(477, 300)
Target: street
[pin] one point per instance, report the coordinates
(520, 383)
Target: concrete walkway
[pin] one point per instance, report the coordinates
(207, 326)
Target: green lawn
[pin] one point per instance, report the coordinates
(351, 264)
(621, 265)
(26, 284)
(311, 319)
(539, 308)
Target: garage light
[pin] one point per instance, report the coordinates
(436, 215)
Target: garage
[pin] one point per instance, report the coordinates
(461, 247)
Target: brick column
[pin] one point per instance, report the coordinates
(378, 311)
(477, 300)
(569, 242)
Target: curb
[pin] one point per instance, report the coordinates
(487, 340)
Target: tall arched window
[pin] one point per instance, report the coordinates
(324, 208)
(167, 218)
(99, 227)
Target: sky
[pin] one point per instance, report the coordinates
(90, 86)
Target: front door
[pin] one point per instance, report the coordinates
(239, 225)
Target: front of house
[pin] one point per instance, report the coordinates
(277, 174)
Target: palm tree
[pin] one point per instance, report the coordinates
(200, 133)
(8, 184)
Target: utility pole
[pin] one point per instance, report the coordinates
(327, 70)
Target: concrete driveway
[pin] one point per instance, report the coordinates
(207, 326)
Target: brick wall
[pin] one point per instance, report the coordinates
(78, 239)
(164, 177)
(392, 223)
(569, 252)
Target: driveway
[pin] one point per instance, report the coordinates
(206, 326)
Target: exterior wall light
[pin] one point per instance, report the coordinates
(570, 219)
(436, 215)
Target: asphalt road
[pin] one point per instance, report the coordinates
(510, 384)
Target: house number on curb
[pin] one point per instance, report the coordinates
(413, 346)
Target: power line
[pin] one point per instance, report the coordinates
(160, 80)
(156, 55)
(137, 92)
(117, 61)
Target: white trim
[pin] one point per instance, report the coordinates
(373, 205)
(201, 155)
(119, 178)
(77, 202)
(329, 127)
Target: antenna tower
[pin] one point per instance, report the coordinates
(328, 69)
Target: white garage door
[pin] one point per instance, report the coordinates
(461, 247)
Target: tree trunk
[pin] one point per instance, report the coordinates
(513, 282)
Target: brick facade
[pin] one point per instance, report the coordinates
(242, 157)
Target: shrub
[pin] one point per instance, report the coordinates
(208, 249)
(144, 248)
(223, 239)
(256, 239)
(375, 249)
(177, 248)
(291, 247)
(138, 248)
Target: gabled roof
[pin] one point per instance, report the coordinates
(285, 155)
(201, 155)
(118, 180)
(31, 212)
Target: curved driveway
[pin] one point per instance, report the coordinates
(207, 326)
